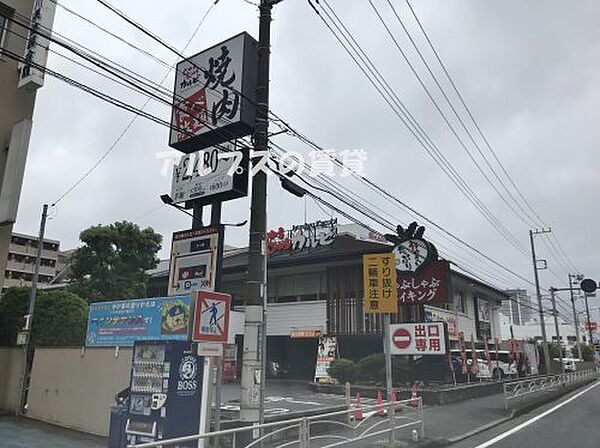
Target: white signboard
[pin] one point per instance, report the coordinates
(326, 353)
(194, 255)
(211, 172)
(36, 50)
(214, 95)
(425, 338)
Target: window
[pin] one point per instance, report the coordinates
(5, 15)
(460, 302)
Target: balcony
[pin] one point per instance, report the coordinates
(32, 251)
(19, 266)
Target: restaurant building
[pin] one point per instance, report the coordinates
(315, 288)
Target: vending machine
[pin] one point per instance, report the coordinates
(165, 392)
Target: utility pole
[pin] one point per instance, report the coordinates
(557, 328)
(28, 350)
(575, 319)
(254, 348)
(539, 297)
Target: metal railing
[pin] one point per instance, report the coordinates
(519, 389)
(386, 423)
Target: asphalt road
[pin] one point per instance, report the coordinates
(571, 421)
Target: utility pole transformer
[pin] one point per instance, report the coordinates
(539, 298)
(256, 288)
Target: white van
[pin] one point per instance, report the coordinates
(502, 367)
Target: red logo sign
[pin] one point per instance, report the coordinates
(430, 285)
(402, 338)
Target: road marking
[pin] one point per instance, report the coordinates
(534, 419)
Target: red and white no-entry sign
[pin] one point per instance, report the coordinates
(426, 338)
(401, 338)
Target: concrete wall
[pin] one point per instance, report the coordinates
(10, 371)
(76, 389)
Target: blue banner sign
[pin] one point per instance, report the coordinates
(124, 321)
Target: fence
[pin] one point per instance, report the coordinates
(387, 422)
(518, 391)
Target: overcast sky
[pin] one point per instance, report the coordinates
(529, 71)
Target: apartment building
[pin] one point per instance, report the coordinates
(21, 261)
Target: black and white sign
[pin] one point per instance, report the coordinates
(36, 51)
(214, 95)
(194, 260)
(212, 173)
(188, 370)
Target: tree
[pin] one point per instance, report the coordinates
(112, 262)
(60, 317)
(553, 350)
(586, 352)
(343, 370)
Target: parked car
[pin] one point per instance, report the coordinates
(502, 367)
(569, 363)
(484, 370)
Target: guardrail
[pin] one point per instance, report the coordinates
(383, 422)
(519, 389)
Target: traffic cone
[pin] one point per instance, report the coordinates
(414, 398)
(379, 404)
(358, 413)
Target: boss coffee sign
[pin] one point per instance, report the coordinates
(214, 96)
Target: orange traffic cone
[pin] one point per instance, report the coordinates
(379, 404)
(358, 413)
(414, 398)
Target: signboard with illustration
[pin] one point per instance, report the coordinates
(214, 95)
(483, 318)
(422, 278)
(326, 353)
(125, 321)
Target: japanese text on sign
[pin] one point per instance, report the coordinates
(418, 339)
(379, 279)
(430, 285)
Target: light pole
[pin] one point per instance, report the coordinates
(539, 297)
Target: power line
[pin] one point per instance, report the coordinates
(438, 108)
(406, 117)
(471, 116)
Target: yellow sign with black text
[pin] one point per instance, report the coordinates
(380, 287)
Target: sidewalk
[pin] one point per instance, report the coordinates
(24, 433)
(450, 421)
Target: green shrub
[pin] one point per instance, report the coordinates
(371, 369)
(402, 370)
(343, 370)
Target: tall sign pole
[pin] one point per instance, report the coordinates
(575, 319)
(589, 323)
(557, 329)
(252, 365)
(539, 298)
(27, 352)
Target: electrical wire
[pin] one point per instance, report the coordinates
(406, 117)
